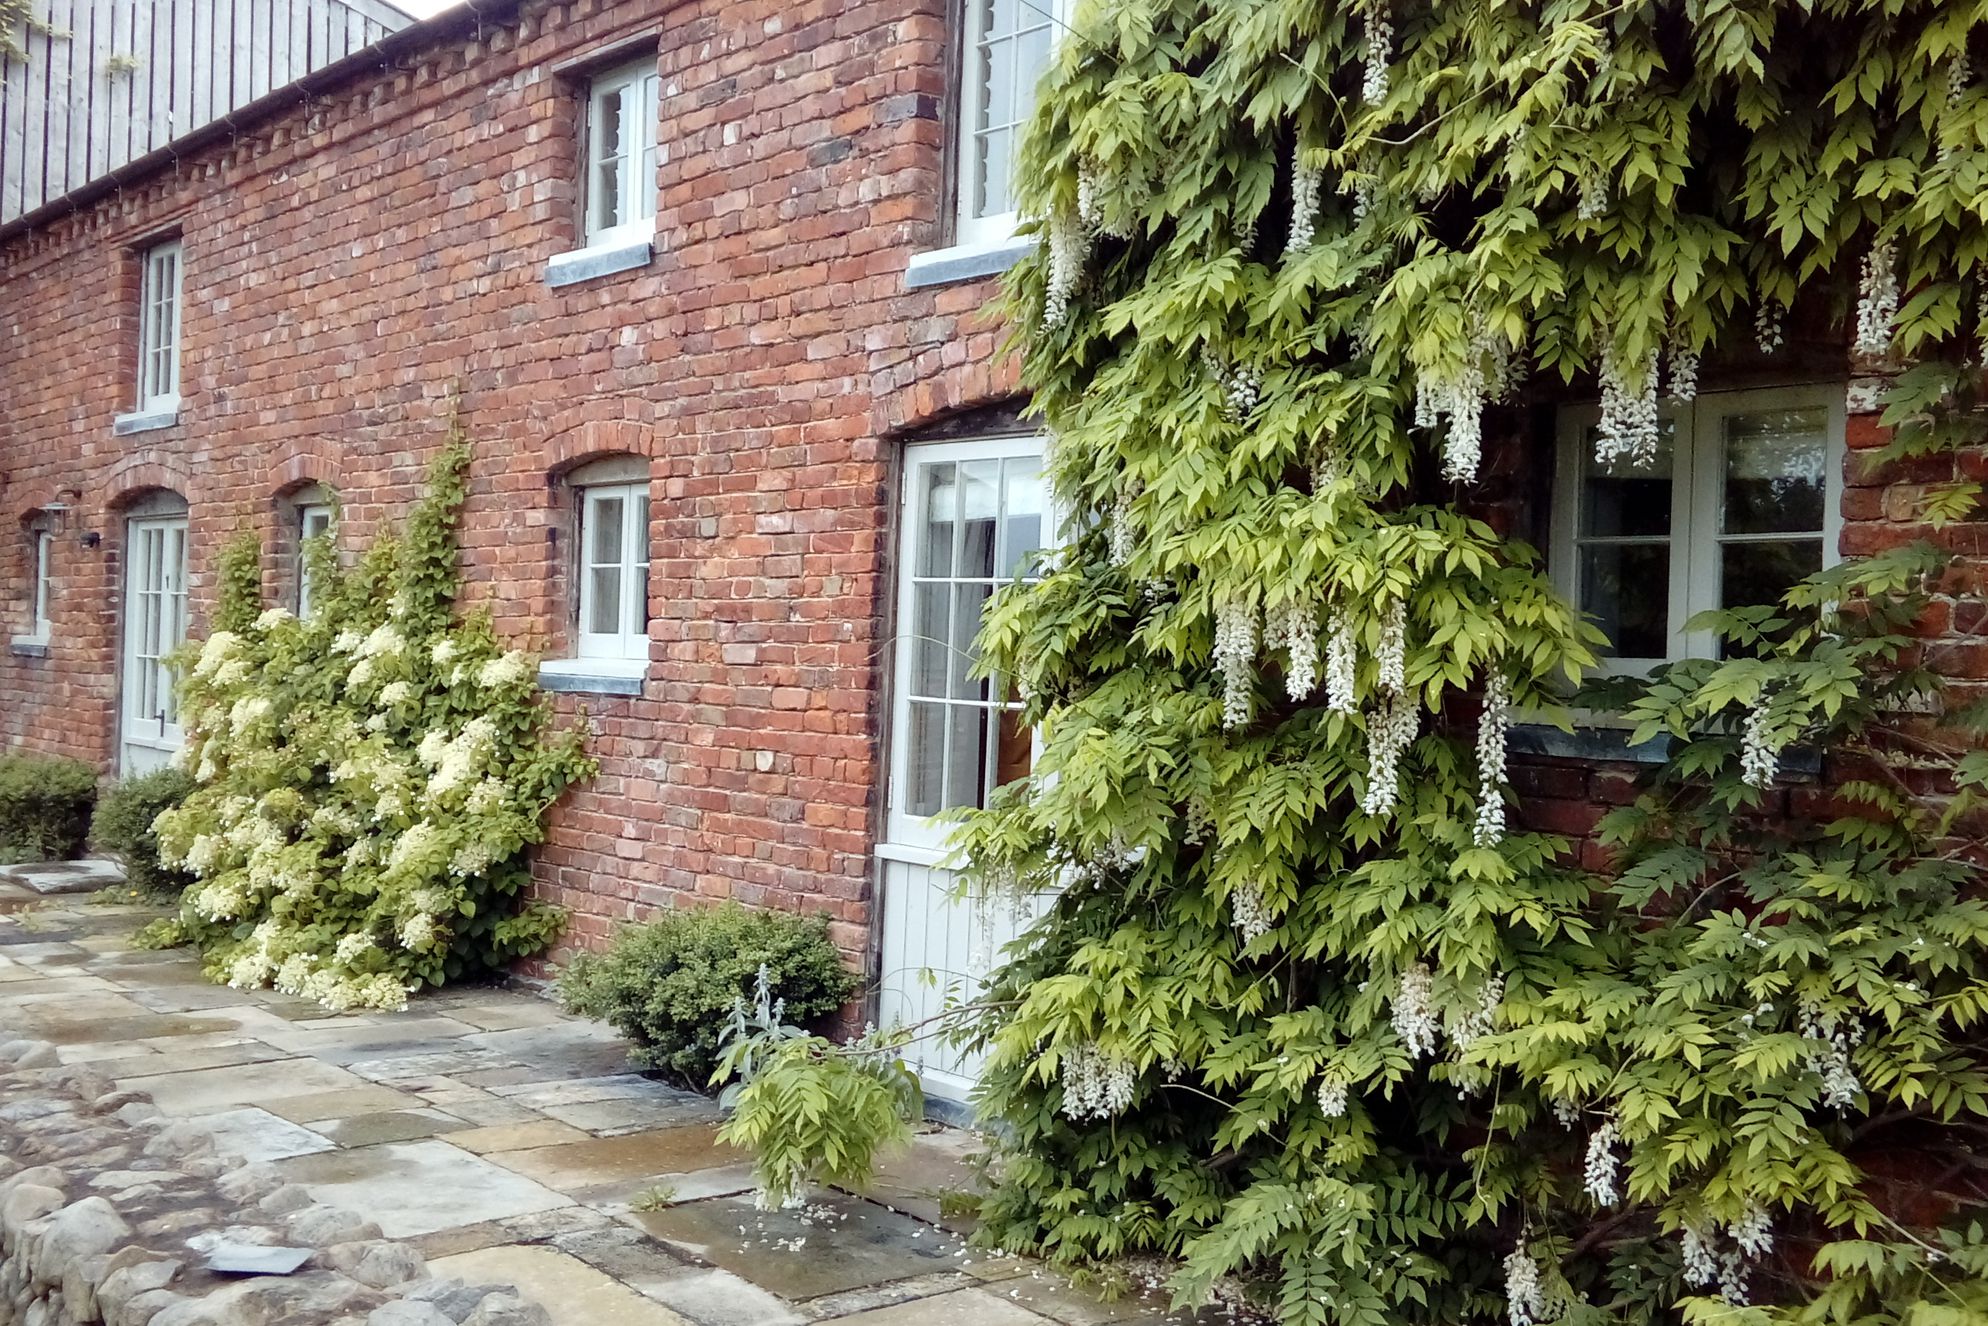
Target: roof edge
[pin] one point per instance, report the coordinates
(465, 16)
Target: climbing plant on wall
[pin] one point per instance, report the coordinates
(1309, 1017)
(368, 779)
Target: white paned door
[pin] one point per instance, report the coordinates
(154, 626)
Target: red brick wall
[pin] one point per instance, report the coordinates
(352, 263)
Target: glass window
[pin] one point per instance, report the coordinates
(974, 512)
(621, 152)
(613, 571)
(41, 582)
(1734, 509)
(154, 626)
(313, 522)
(1007, 48)
(158, 327)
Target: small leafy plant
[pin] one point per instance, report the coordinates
(123, 827)
(668, 984)
(45, 806)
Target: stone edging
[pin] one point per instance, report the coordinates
(108, 1210)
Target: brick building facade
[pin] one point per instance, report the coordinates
(781, 351)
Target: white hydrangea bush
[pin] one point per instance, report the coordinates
(367, 781)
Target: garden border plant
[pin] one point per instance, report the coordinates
(1307, 1019)
(368, 780)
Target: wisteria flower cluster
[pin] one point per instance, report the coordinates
(1096, 1085)
(367, 781)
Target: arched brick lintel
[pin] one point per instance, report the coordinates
(142, 472)
(946, 391)
(596, 438)
(305, 461)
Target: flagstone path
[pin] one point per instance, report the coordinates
(510, 1142)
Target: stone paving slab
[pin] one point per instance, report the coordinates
(582, 1293)
(59, 877)
(256, 1135)
(409, 1188)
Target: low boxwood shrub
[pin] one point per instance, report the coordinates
(45, 803)
(122, 827)
(670, 984)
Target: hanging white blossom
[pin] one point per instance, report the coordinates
(1306, 184)
(1413, 1012)
(1248, 912)
(1492, 729)
(1393, 653)
(1481, 1019)
(1767, 326)
(1753, 1231)
(1328, 466)
(1760, 757)
(1069, 246)
(1831, 1038)
(1525, 1295)
(1380, 50)
(1332, 1099)
(1362, 190)
(1628, 427)
(1682, 369)
(1235, 657)
(1089, 195)
(1391, 729)
(1123, 538)
(1293, 627)
(1960, 72)
(1340, 658)
(1200, 821)
(1601, 1175)
(1096, 1085)
(1591, 204)
(1565, 1113)
(1877, 302)
(1701, 1260)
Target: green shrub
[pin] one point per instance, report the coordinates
(122, 827)
(45, 805)
(670, 984)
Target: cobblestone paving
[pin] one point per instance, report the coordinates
(508, 1142)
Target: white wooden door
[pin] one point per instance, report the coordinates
(154, 626)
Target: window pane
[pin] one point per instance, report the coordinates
(1015, 753)
(939, 501)
(605, 615)
(993, 160)
(1626, 589)
(980, 491)
(604, 530)
(931, 616)
(1756, 573)
(610, 152)
(926, 759)
(1774, 471)
(966, 756)
(1021, 507)
(968, 602)
(1622, 498)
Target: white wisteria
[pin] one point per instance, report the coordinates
(1877, 300)
(1096, 1085)
(1235, 657)
(1341, 664)
(1629, 420)
(1413, 1011)
(1494, 727)
(1601, 1173)
(1293, 626)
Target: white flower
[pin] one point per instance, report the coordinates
(1831, 1038)
(203, 853)
(1760, 756)
(1753, 1231)
(1476, 1023)
(1306, 184)
(1565, 1112)
(419, 840)
(1332, 1099)
(352, 947)
(508, 670)
(1767, 331)
(1069, 246)
(385, 641)
(1592, 202)
(472, 858)
(1629, 423)
(417, 932)
(272, 617)
(1123, 537)
(361, 674)
(444, 652)
(1393, 653)
(434, 745)
(1492, 728)
(232, 673)
(396, 693)
(1096, 1085)
(486, 797)
(1248, 912)
(1380, 49)
(1391, 728)
(1682, 367)
(1525, 1296)
(1235, 657)
(1877, 303)
(347, 642)
(248, 711)
(220, 901)
(1340, 656)
(1601, 1176)
(1413, 1012)
(1293, 627)
(214, 652)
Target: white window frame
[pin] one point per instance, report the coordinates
(631, 643)
(161, 279)
(321, 515)
(909, 836)
(41, 585)
(635, 181)
(154, 624)
(974, 229)
(1697, 500)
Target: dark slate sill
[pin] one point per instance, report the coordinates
(602, 260)
(28, 648)
(588, 683)
(944, 266)
(143, 421)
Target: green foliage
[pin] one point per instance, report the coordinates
(45, 803)
(368, 780)
(668, 984)
(809, 1110)
(1309, 1023)
(123, 824)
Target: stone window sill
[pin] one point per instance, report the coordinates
(28, 646)
(604, 257)
(144, 421)
(593, 676)
(965, 262)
